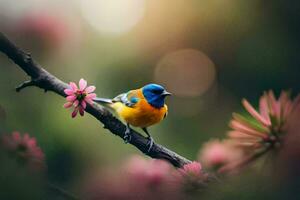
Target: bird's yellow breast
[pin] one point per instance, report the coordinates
(142, 114)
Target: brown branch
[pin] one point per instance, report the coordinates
(24, 85)
(44, 80)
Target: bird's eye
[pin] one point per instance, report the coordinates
(156, 91)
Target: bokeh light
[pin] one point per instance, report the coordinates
(113, 16)
(186, 72)
(11, 9)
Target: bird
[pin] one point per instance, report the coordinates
(140, 108)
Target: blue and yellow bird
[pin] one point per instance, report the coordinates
(140, 108)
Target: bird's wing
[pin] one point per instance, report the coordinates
(129, 99)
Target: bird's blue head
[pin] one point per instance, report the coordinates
(155, 94)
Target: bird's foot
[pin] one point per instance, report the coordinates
(150, 143)
(127, 136)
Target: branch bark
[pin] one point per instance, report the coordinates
(39, 77)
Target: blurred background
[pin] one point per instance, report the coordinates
(208, 53)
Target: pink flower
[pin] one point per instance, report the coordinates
(49, 31)
(264, 132)
(192, 169)
(25, 148)
(138, 178)
(215, 153)
(151, 172)
(266, 127)
(192, 179)
(79, 97)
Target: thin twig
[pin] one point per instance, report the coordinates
(24, 85)
(43, 79)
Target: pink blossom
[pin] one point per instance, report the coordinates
(148, 171)
(79, 97)
(191, 178)
(48, 30)
(215, 153)
(263, 130)
(194, 169)
(25, 148)
(153, 178)
(137, 178)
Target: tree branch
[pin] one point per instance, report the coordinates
(44, 80)
(24, 85)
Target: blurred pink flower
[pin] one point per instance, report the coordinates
(216, 153)
(138, 178)
(192, 179)
(267, 126)
(192, 169)
(79, 97)
(25, 148)
(47, 29)
(264, 132)
(149, 172)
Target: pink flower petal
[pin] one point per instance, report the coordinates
(90, 89)
(82, 84)
(273, 107)
(216, 153)
(73, 86)
(285, 104)
(76, 103)
(193, 168)
(81, 111)
(255, 114)
(69, 91)
(89, 101)
(245, 129)
(68, 105)
(245, 144)
(90, 96)
(283, 98)
(83, 104)
(71, 98)
(239, 135)
(239, 118)
(264, 108)
(31, 143)
(74, 113)
(276, 105)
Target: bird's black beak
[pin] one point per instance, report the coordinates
(166, 93)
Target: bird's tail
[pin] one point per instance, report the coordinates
(102, 100)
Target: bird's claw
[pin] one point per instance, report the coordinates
(127, 136)
(150, 143)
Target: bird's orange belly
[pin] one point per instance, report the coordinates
(142, 119)
(142, 115)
